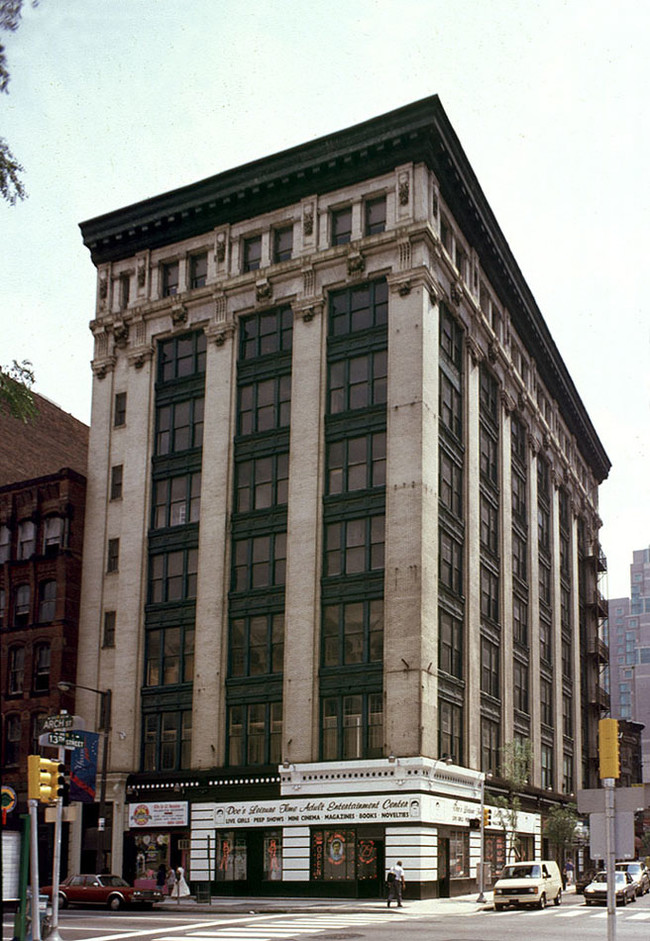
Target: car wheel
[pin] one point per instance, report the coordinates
(633, 899)
(587, 902)
(498, 908)
(114, 903)
(558, 898)
(542, 901)
(63, 901)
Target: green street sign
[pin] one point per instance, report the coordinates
(63, 739)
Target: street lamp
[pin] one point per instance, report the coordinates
(105, 726)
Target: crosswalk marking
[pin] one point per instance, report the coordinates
(274, 927)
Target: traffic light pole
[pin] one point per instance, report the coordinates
(481, 877)
(610, 842)
(56, 867)
(36, 921)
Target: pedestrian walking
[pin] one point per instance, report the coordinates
(161, 878)
(181, 889)
(395, 882)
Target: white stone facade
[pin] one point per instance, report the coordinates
(430, 264)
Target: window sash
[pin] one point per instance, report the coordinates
(352, 726)
(254, 733)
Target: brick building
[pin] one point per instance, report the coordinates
(42, 507)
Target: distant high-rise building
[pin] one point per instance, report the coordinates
(629, 652)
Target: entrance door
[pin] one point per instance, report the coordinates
(443, 868)
(254, 861)
(370, 868)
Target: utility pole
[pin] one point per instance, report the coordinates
(36, 921)
(610, 769)
(56, 867)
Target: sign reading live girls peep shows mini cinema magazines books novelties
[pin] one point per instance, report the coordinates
(158, 814)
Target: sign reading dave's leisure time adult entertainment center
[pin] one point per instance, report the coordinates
(410, 808)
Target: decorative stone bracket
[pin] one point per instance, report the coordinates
(356, 263)
(220, 332)
(308, 308)
(101, 367)
(263, 291)
(138, 357)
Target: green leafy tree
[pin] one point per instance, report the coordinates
(16, 396)
(559, 830)
(516, 762)
(11, 187)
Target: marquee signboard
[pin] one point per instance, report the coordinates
(158, 814)
(372, 809)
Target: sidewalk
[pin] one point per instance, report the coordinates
(459, 905)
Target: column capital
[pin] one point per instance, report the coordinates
(218, 333)
(475, 350)
(307, 308)
(403, 282)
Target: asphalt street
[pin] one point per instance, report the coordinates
(328, 920)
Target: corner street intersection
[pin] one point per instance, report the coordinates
(448, 920)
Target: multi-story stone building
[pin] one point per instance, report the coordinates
(354, 547)
(629, 652)
(42, 504)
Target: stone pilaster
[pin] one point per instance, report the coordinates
(411, 578)
(208, 703)
(302, 601)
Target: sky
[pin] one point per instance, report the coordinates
(114, 101)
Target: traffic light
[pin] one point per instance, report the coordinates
(487, 816)
(45, 779)
(608, 748)
(474, 823)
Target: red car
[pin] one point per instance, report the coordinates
(111, 891)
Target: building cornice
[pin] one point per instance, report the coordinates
(417, 133)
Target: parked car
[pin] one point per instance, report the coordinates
(624, 888)
(640, 876)
(111, 891)
(528, 883)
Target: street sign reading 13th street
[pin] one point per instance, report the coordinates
(63, 738)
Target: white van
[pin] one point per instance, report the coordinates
(529, 883)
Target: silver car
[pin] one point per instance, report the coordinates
(639, 873)
(624, 889)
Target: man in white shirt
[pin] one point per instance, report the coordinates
(396, 883)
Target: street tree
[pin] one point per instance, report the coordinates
(11, 186)
(516, 762)
(16, 395)
(559, 830)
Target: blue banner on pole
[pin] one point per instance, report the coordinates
(83, 769)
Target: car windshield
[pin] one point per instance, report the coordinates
(113, 880)
(521, 872)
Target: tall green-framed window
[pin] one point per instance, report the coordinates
(352, 726)
(167, 740)
(353, 632)
(181, 357)
(256, 645)
(169, 656)
(255, 733)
